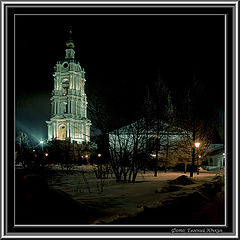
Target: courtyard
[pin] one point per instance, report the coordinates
(79, 197)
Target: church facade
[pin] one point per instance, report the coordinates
(69, 101)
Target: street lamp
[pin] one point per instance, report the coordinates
(41, 143)
(197, 145)
(99, 155)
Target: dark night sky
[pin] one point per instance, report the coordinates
(121, 55)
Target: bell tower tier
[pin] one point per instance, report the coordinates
(69, 101)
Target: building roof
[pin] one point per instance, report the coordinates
(151, 128)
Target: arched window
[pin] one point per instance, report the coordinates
(65, 86)
(62, 132)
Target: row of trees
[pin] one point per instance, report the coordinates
(163, 137)
(65, 153)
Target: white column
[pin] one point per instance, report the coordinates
(55, 107)
(82, 132)
(54, 130)
(71, 80)
(57, 130)
(67, 129)
(74, 129)
(57, 83)
(84, 109)
(76, 103)
(58, 107)
(49, 129)
(88, 133)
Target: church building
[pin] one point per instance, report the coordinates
(69, 101)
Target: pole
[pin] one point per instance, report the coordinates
(197, 165)
(193, 148)
(193, 159)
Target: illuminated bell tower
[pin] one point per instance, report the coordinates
(69, 101)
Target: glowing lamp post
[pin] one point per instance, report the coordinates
(99, 157)
(41, 143)
(197, 145)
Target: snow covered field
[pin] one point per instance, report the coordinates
(121, 200)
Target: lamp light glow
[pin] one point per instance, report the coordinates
(197, 144)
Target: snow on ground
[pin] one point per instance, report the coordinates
(119, 200)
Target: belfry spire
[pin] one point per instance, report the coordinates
(69, 42)
(70, 53)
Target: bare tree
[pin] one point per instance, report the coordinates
(159, 117)
(100, 117)
(23, 149)
(127, 148)
(197, 128)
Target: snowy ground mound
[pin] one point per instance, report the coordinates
(182, 180)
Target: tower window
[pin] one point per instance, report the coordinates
(65, 86)
(63, 107)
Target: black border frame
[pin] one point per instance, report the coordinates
(10, 10)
